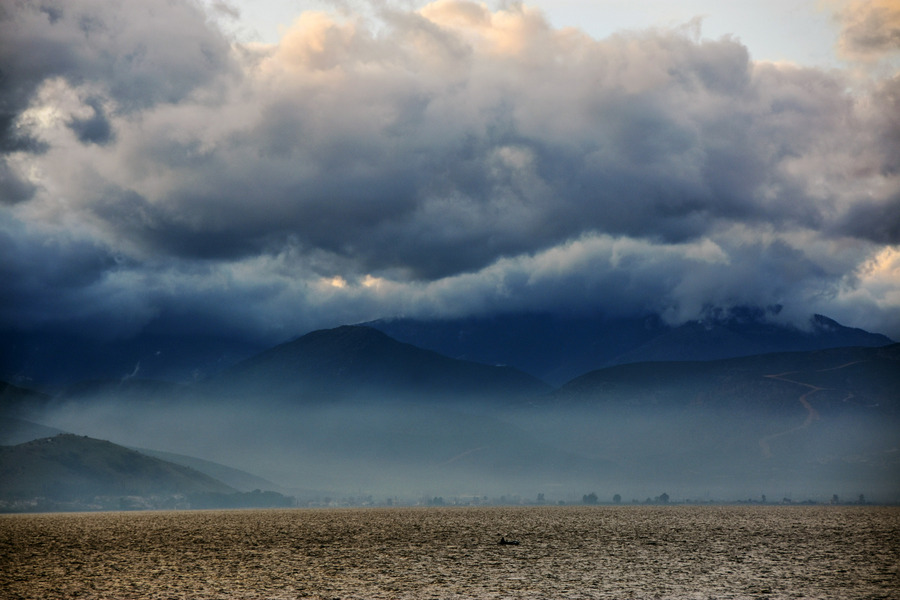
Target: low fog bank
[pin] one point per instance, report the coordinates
(405, 450)
(723, 455)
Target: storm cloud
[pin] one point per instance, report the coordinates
(454, 159)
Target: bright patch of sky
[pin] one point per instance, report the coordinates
(799, 31)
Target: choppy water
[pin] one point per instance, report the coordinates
(565, 552)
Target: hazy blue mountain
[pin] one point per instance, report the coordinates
(16, 400)
(795, 421)
(557, 348)
(860, 378)
(807, 423)
(745, 334)
(14, 430)
(45, 358)
(235, 478)
(20, 405)
(68, 467)
(554, 348)
(131, 388)
(354, 361)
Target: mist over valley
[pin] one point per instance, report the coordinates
(448, 251)
(353, 415)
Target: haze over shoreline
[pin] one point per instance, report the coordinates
(353, 413)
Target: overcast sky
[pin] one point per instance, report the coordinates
(259, 168)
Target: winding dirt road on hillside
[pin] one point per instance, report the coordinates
(811, 413)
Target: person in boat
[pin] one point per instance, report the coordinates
(506, 542)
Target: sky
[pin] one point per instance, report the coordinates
(267, 168)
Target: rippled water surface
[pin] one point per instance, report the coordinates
(565, 552)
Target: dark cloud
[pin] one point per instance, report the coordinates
(45, 277)
(876, 221)
(446, 160)
(13, 187)
(138, 54)
(887, 125)
(95, 129)
(666, 159)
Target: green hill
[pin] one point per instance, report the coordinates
(73, 468)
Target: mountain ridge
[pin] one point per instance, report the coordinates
(574, 345)
(76, 472)
(70, 466)
(860, 374)
(352, 408)
(554, 347)
(354, 360)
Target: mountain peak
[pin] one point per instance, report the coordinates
(347, 333)
(356, 360)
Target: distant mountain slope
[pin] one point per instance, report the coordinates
(14, 399)
(131, 389)
(361, 361)
(18, 431)
(843, 379)
(57, 358)
(819, 422)
(68, 467)
(235, 478)
(14, 431)
(735, 336)
(557, 348)
(554, 348)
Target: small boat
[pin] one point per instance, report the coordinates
(505, 542)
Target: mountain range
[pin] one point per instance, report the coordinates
(356, 409)
(558, 348)
(797, 418)
(552, 347)
(854, 378)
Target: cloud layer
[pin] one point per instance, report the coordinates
(870, 28)
(442, 161)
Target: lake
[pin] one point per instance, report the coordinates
(564, 552)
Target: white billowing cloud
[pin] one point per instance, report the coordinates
(448, 160)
